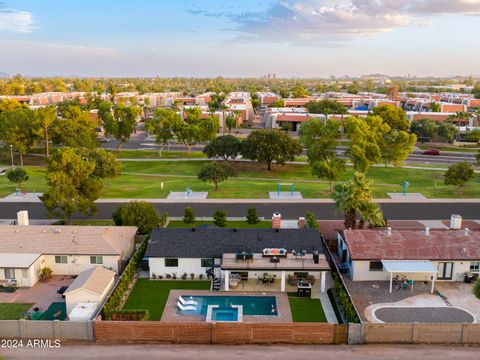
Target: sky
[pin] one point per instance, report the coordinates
(241, 38)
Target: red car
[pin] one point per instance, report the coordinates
(432, 152)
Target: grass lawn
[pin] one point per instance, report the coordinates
(93, 222)
(154, 154)
(13, 311)
(306, 309)
(36, 182)
(152, 295)
(230, 224)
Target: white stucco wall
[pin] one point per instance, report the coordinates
(185, 265)
(78, 263)
(82, 295)
(31, 278)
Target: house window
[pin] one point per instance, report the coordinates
(171, 262)
(475, 266)
(376, 266)
(61, 259)
(9, 273)
(206, 262)
(96, 260)
(25, 273)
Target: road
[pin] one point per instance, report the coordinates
(241, 352)
(139, 141)
(291, 210)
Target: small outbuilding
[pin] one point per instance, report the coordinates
(91, 286)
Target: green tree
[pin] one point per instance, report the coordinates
(137, 213)
(424, 128)
(122, 124)
(45, 118)
(74, 129)
(473, 135)
(195, 129)
(17, 128)
(18, 176)
(355, 197)
(299, 91)
(231, 122)
(311, 221)
(220, 218)
(75, 182)
(164, 124)
(395, 117)
(458, 174)
(269, 145)
(396, 146)
(252, 216)
(435, 107)
(321, 140)
(277, 104)
(106, 164)
(225, 147)
(9, 105)
(446, 131)
(188, 216)
(216, 173)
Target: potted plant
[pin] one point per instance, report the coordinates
(192, 276)
(45, 273)
(184, 276)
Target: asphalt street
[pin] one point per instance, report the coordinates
(290, 210)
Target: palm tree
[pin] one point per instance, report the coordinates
(371, 213)
(343, 201)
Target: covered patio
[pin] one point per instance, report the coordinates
(410, 267)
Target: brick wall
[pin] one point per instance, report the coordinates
(219, 333)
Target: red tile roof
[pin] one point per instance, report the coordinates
(412, 244)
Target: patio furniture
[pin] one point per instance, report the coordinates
(304, 289)
(239, 255)
(248, 255)
(233, 283)
(62, 290)
(280, 252)
(187, 302)
(274, 259)
(186, 308)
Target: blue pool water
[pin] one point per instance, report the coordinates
(224, 314)
(252, 305)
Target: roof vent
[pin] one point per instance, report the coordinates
(466, 231)
(277, 229)
(259, 238)
(427, 231)
(193, 229)
(388, 231)
(57, 231)
(234, 229)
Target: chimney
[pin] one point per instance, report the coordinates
(427, 231)
(301, 223)
(466, 231)
(388, 231)
(456, 222)
(276, 220)
(22, 218)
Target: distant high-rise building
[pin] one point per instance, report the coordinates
(274, 76)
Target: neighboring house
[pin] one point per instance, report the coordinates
(66, 250)
(421, 254)
(246, 253)
(90, 286)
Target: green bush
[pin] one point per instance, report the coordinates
(310, 218)
(188, 216)
(344, 299)
(252, 216)
(220, 218)
(125, 280)
(476, 289)
(138, 213)
(132, 315)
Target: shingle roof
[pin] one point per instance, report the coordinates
(213, 242)
(69, 240)
(95, 280)
(413, 244)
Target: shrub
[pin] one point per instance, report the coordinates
(137, 213)
(476, 289)
(188, 216)
(45, 273)
(201, 276)
(344, 299)
(17, 175)
(160, 277)
(220, 218)
(310, 218)
(168, 276)
(192, 276)
(154, 276)
(252, 217)
(174, 276)
(131, 315)
(184, 276)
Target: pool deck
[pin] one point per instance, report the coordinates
(170, 313)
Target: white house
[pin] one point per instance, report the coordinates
(421, 254)
(90, 286)
(66, 250)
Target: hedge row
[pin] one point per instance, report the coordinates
(344, 299)
(130, 315)
(125, 280)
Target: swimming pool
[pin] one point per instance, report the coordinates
(225, 314)
(252, 305)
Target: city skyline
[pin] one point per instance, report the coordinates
(247, 38)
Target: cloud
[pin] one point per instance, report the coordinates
(333, 22)
(16, 21)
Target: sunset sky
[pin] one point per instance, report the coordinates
(306, 38)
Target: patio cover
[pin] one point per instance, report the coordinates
(409, 266)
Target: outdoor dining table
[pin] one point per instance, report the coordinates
(304, 289)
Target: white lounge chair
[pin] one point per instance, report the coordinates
(187, 302)
(186, 308)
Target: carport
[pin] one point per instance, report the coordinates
(410, 267)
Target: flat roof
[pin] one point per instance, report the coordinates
(263, 263)
(15, 260)
(409, 266)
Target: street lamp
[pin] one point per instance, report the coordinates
(11, 153)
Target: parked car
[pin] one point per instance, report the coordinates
(104, 140)
(432, 152)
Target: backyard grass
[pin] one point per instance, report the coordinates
(230, 224)
(10, 311)
(306, 309)
(152, 295)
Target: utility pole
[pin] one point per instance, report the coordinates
(11, 154)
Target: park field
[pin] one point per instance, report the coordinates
(143, 179)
